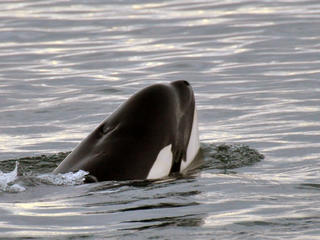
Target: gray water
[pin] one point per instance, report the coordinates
(255, 69)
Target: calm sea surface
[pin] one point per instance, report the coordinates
(255, 69)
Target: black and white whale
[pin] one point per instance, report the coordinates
(151, 135)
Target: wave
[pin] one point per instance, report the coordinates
(39, 168)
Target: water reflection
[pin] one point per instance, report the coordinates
(66, 65)
(179, 221)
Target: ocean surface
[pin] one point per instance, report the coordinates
(254, 66)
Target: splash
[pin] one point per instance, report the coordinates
(7, 181)
(38, 169)
(226, 156)
(60, 179)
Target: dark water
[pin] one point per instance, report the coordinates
(255, 69)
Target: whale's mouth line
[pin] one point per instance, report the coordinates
(90, 179)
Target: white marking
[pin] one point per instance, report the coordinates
(162, 166)
(194, 143)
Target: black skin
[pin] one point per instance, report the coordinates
(126, 144)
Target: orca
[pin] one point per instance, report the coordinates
(150, 136)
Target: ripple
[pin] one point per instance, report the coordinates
(66, 65)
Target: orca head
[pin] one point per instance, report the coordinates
(187, 123)
(127, 144)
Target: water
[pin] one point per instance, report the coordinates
(254, 66)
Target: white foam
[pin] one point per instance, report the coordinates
(162, 166)
(7, 181)
(69, 178)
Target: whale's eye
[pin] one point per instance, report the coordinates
(104, 129)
